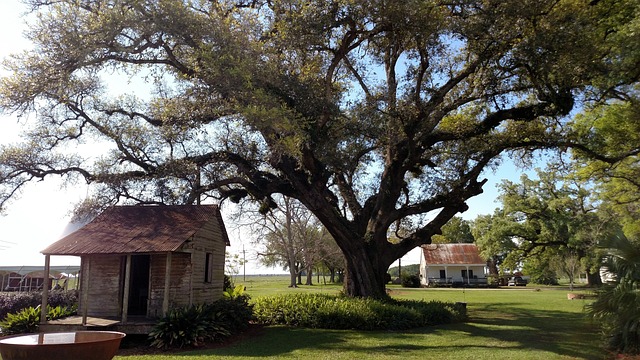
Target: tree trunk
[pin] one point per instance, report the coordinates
(364, 278)
(493, 267)
(594, 279)
(309, 276)
(571, 282)
(293, 274)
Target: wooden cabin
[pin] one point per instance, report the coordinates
(452, 265)
(139, 261)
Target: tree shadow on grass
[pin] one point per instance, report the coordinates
(491, 331)
(563, 333)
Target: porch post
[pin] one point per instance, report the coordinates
(127, 285)
(468, 277)
(84, 288)
(167, 285)
(446, 275)
(191, 283)
(45, 289)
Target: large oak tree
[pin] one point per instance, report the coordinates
(378, 116)
(614, 130)
(552, 222)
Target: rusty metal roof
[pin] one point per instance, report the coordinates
(452, 254)
(138, 229)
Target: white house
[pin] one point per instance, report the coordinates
(452, 265)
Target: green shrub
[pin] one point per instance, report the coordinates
(410, 281)
(198, 324)
(14, 302)
(234, 292)
(544, 279)
(22, 322)
(228, 282)
(235, 313)
(339, 312)
(436, 312)
(294, 310)
(57, 312)
(185, 326)
(27, 320)
(366, 314)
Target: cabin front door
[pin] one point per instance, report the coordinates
(139, 285)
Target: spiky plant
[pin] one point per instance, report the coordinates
(617, 307)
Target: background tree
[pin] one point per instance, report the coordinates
(614, 130)
(411, 269)
(495, 242)
(331, 258)
(457, 230)
(546, 218)
(569, 264)
(233, 263)
(290, 237)
(372, 114)
(541, 269)
(313, 237)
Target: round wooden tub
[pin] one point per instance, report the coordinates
(79, 345)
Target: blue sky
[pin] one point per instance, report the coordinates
(39, 216)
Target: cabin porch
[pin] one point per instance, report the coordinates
(135, 325)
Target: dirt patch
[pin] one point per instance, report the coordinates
(139, 344)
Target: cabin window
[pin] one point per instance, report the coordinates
(208, 268)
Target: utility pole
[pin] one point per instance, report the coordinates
(244, 265)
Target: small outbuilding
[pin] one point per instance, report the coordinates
(20, 280)
(452, 265)
(139, 261)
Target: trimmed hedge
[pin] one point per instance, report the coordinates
(339, 312)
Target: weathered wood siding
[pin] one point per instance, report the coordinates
(187, 283)
(208, 240)
(104, 285)
(179, 286)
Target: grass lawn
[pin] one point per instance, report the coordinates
(517, 323)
